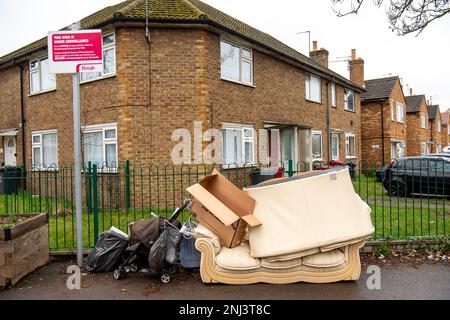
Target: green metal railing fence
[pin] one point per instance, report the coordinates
(415, 208)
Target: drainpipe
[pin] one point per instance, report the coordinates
(382, 133)
(328, 122)
(22, 124)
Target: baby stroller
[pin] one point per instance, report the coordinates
(153, 247)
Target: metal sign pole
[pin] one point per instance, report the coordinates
(77, 160)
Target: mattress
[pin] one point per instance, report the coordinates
(314, 210)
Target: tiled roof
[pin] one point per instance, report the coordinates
(432, 111)
(414, 102)
(186, 11)
(379, 89)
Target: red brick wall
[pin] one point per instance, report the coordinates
(416, 134)
(371, 125)
(10, 107)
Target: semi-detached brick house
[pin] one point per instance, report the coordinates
(383, 117)
(197, 64)
(445, 128)
(417, 125)
(436, 128)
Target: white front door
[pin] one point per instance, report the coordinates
(10, 151)
(335, 147)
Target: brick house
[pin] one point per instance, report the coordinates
(445, 128)
(383, 117)
(436, 128)
(417, 125)
(196, 64)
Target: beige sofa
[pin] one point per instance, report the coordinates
(313, 226)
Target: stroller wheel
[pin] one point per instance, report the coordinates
(117, 274)
(133, 268)
(165, 278)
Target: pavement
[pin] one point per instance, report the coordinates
(399, 280)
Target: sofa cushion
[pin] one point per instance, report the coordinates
(286, 264)
(314, 210)
(237, 258)
(331, 258)
(203, 232)
(292, 256)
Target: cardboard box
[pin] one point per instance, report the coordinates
(223, 208)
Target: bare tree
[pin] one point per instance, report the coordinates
(405, 16)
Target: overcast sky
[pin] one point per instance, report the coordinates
(422, 62)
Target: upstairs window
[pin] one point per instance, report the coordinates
(423, 120)
(349, 100)
(40, 78)
(400, 112)
(236, 63)
(109, 60)
(438, 125)
(392, 110)
(333, 94)
(313, 88)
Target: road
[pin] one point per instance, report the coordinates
(398, 281)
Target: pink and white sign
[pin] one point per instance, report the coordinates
(75, 51)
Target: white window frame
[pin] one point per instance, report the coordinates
(346, 99)
(313, 157)
(333, 95)
(438, 147)
(393, 114)
(424, 148)
(38, 71)
(423, 120)
(448, 128)
(400, 112)
(105, 48)
(308, 93)
(105, 141)
(252, 140)
(242, 59)
(347, 143)
(438, 125)
(38, 145)
(334, 135)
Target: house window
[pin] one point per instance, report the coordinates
(349, 100)
(392, 110)
(238, 144)
(438, 125)
(350, 145)
(333, 94)
(397, 149)
(313, 88)
(317, 145)
(100, 145)
(400, 114)
(109, 60)
(40, 78)
(424, 148)
(44, 151)
(423, 120)
(236, 63)
(438, 148)
(335, 147)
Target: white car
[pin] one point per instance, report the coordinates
(446, 149)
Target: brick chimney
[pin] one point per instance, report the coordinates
(356, 66)
(319, 55)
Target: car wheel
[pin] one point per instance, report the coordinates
(397, 189)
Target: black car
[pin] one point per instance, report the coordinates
(422, 175)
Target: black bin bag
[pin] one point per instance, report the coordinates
(164, 250)
(107, 252)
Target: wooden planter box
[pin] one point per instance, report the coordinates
(23, 248)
